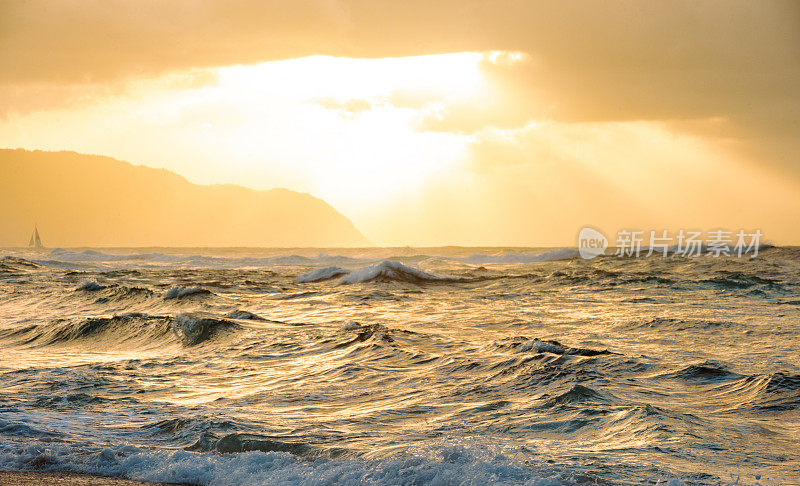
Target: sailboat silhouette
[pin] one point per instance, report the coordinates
(36, 241)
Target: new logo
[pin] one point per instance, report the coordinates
(591, 243)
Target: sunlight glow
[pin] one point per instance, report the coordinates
(367, 148)
(432, 146)
(346, 78)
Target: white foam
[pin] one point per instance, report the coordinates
(451, 464)
(351, 326)
(387, 269)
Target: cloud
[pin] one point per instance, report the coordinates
(589, 60)
(25, 98)
(79, 41)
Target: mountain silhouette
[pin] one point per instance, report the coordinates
(90, 200)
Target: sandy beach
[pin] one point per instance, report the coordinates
(16, 478)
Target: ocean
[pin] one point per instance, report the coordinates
(401, 366)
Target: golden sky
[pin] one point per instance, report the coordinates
(433, 123)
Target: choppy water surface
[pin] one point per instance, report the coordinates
(408, 366)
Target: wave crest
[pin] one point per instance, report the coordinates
(389, 271)
(193, 329)
(118, 329)
(179, 292)
(385, 271)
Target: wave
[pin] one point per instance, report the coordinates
(351, 326)
(64, 258)
(134, 328)
(385, 271)
(11, 429)
(193, 329)
(79, 401)
(122, 293)
(11, 263)
(118, 329)
(297, 295)
(737, 280)
(115, 293)
(376, 296)
(90, 286)
(390, 271)
(94, 256)
(179, 292)
(243, 442)
(705, 250)
(548, 256)
(578, 394)
(729, 390)
(192, 433)
(706, 371)
(328, 263)
(607, 279)
(444, 463)
(99, 256)
(771, 393)
(524, 345)
(321, 274)
(380, 333)
(244, 315)
(782, 393)
(672, 324)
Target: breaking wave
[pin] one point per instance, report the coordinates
(268, 461)
(385, 271)
(524, 345)
(179, 292)
(390, 271)
(193, 329)
(128, 329)
(90, 285)
(135, 328)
